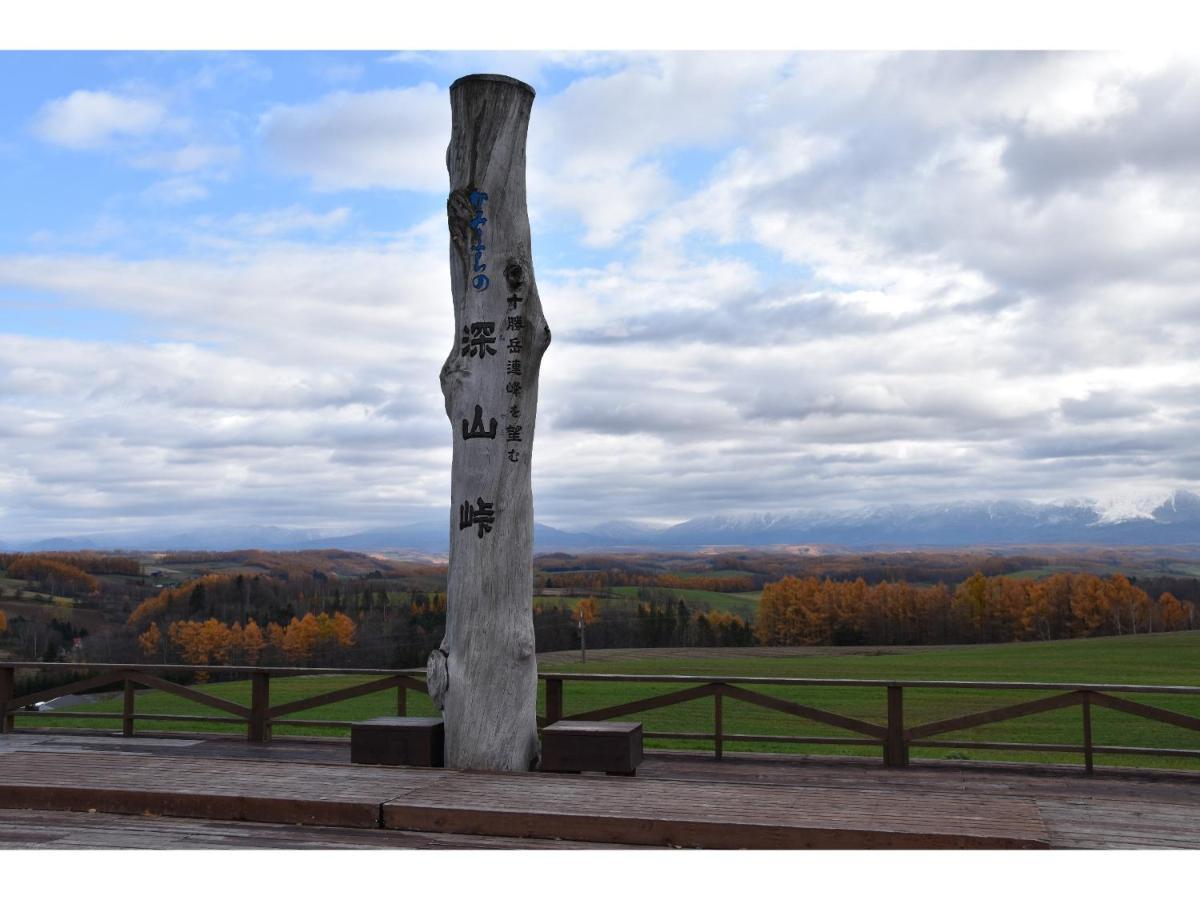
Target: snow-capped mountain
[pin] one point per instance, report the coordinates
(1158, 521)
(1174, 520)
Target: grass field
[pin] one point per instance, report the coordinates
(1143, 659)
(1174, 568)
(744, 605)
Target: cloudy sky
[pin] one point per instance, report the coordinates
(776, 282)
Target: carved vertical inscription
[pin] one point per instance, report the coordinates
(484, 675)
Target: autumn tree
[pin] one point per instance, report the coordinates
(253, 643)
(189, 596)
(1171, 613)
(300, 639)
(1121, 599)
(587, 610)
(56, 576)
(210, 642)
(150, 641)
(982, 608)
(1090, 606)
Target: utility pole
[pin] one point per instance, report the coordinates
(582, 638)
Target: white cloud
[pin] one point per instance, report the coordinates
(177, 191)
(905, 277)
(377, 139)
(606, 202)
(290, 220)
(86, 120)
(189, 158)
(596, 148)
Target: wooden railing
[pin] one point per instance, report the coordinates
(895, 737)
(258, 717)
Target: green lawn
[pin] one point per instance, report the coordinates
(1143, 659)
(743, 605)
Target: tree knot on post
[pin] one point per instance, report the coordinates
(437, 677)
(458, 218)
(514, 275)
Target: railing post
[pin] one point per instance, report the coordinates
(401, 700)
(718, 724)
(1087, 731)
(554, 700)
(895, 750)
(8, 678)
(127, 712)
(258, 730)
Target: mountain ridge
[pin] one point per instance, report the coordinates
(1172, 520)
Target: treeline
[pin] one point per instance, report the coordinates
(308, 563)
(248, 620)
(52, 575)
(92, 563)
(948, 566)
(981, 609)
(48, 642)
(657, 620)
(1185, 589)
(604, 580)
(240, 620)
(314, 639)
(230, 598)
(600, 572)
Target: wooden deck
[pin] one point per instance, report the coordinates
(35, 829)
(88, 790)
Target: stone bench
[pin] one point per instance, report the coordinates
(398, 741)
(611, 747)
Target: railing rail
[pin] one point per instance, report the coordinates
(895, 737)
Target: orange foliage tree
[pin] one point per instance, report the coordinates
(164, 600)
(212, 642)
(300, 639)
(1171, 613)
(998, 608)
(588, 610)
(202, 643)
(150, 640)
(54, 574)
(253, 643)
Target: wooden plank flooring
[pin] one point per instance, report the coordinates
(234, 789)
(1109, 811)
(677, 799)
(26, 829)
(712, 815)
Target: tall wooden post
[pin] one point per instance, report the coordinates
(554, 700)
(258, 728)
(718, 721)
(8, 679)
(895, 748)
(1086, 706)
(484, 675)
(127, 710)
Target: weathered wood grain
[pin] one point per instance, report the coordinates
(712, 815)
(678, 797)
(484, 676)
(28, 829)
